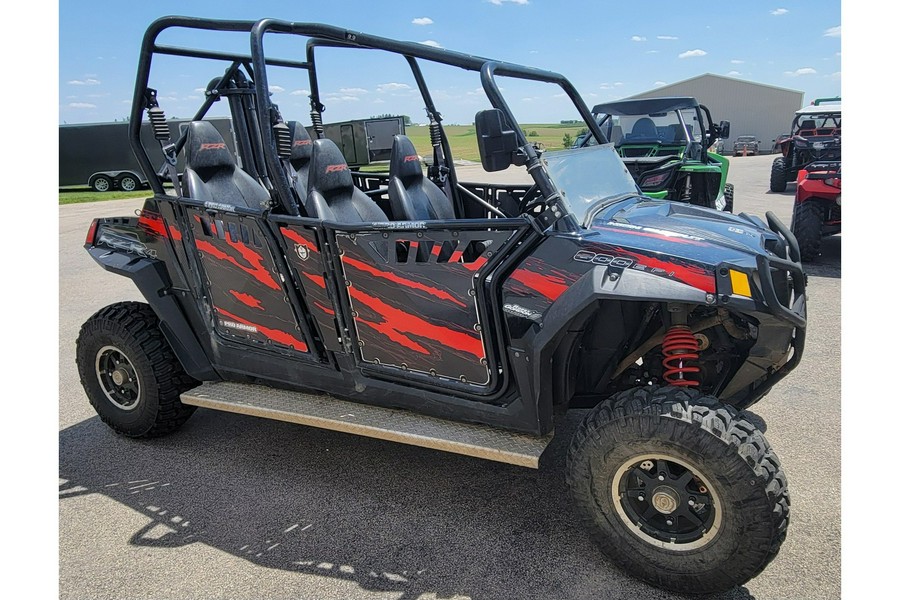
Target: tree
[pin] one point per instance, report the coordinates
(406, 119)
(567, 140)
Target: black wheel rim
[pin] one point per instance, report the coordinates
(118, 378)
(667, 502)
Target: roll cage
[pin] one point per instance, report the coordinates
(257, 131)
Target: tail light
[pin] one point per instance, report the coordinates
(92, 233)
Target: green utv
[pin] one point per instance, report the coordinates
(665, 144)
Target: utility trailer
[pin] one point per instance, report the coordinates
(98, 155)
(364, 141)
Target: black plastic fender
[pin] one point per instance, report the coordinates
(152, 280)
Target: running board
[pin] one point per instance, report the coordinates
(389, 424)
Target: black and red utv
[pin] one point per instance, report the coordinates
(817, 207)
(458, 316)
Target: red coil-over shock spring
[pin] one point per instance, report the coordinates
(681, 350)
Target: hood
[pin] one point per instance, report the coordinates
(684, 230)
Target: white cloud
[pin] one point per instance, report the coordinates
(431, 43)
(779, 11)
(658, 83)
(275, 89)
(737, 62)
(832, 32)
(835, 76)
(638, 38)
(200, 90)
(88, 81)
(666, 37)
(692, 53)
(392, 87)
(499, 2)
(802, 71)
(81, 105)
(300, 93)
(733, 73)
(422, 21)
(353, 91)
(652, 52)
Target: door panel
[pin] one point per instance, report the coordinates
(412, 300)
(244, 287)
(305, 256)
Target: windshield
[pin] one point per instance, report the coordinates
(588, 177)
(746, 138)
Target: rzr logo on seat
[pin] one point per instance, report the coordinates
(411, 158)
(213, 146)
(303, 143)
(335, 168)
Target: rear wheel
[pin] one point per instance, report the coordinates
(100, 183)
(678, 489)
(129, 372)
(778, 177)
(806, 226)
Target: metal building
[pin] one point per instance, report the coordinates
(753, 108)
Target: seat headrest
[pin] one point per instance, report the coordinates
(205, 147)
(327, 168)
(405, 162)
(301, 144)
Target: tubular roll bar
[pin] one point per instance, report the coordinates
(327, 35)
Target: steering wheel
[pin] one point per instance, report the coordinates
(527, 200)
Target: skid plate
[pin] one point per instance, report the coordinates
(394, 425)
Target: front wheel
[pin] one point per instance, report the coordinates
(129, 372)
(778, 176)
(128, 182)
(806, 225)
(729, 198)
(678, 489)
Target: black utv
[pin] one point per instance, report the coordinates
(815, 137)
(464, 317)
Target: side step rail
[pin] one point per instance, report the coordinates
(389, 424)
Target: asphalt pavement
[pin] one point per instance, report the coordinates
(236, 507)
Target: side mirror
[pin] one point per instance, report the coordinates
(496, 139)
(724, 129)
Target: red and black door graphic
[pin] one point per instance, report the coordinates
(412, 300)
(244, 287)
(305, 256)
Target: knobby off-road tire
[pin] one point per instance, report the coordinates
(778, 177)
(729, 197)
(129, 372)
(650, 465)
(806, 226)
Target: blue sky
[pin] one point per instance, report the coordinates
(609, 50)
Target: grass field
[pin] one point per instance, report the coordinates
(463, 145)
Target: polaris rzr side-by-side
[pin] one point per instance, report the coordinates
(815, 137)
(665, 143)
(462, 317)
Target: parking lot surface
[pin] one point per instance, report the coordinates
(238, 507)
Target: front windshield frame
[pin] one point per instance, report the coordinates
(589, 178)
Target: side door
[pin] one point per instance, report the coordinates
(242, 281)
(412, 301)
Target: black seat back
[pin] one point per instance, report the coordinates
(301, 151)
(332, 195)
(211, 175)
(413, 196)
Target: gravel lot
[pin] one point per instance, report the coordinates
(238, 507)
